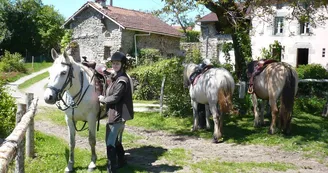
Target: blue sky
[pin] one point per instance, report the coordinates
(68, 7)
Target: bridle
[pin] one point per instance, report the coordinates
(60, 92)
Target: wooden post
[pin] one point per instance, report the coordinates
(19, 167)
(162, 96)
(30, 130)
(8, 148)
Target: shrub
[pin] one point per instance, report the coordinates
(150, 80)
(12, 63)
(148, 56)
(311, 96)
(7, 112)
(191, 36)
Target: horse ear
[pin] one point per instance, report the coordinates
(65, 55)
(54, 54)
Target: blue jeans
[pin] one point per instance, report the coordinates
(112, 132)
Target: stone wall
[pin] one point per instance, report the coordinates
(93, 33)
(98, 38)
(168, 46)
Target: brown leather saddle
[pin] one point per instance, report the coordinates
(262, 66)
(102, 75)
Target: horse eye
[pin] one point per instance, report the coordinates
(63, 73)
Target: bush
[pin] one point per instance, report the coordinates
(7, 112)
(148, 56)
(311, 96)
(191, 36)
(150, 80)
(12, 63)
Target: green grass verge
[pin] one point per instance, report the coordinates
(52, 154)
(146, 101)
(33, 80)
(234, 167)
(309, 132)
(13, 76)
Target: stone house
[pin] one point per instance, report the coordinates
(301, 43)
(101, 30)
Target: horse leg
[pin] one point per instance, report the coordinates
(195, 113)
(92, 142)
(71, 135)
(217, 118)
(207, 109)
(274, 114)
(263, 103)
(257, 121)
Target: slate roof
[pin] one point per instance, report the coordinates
(131, 19)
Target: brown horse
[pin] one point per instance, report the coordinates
(278, 79)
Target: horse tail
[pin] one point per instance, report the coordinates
(225, 96)
(288, 95)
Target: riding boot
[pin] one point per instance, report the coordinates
(121, 161)
(111, 159)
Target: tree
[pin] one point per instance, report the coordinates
(234, 18)
(34, 28)
(4, 32)
(177, 12)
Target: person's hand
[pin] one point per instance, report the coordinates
(101, 97)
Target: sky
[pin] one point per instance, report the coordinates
(68, 7)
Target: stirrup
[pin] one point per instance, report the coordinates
(250, 90)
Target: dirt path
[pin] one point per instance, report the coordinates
(200, 149)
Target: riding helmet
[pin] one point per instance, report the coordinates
(119, 56)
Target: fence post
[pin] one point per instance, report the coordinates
(162, 95)
(19, 168)
(30, 130)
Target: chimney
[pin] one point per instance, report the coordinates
(111, 3)
(101, 2)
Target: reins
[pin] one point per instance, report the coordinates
(80, 95)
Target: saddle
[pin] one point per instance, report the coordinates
(262, 66)
(101, 75)
(258, 68)
(200, 70)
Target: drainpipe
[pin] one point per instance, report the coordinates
(135, 44)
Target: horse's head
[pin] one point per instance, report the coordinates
(188, 70)
(61, 74)
(250, 68)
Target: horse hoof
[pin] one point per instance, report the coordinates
(91, 169)
(271, 132)
(216, 140)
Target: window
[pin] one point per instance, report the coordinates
(278, 25)
(304, 28)
(323, 52)
(279, 5)
(106, 52)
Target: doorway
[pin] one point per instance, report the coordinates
(302, 56)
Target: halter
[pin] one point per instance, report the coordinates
(60, 92)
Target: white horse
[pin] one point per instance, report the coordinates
(214, 87)
(72, 86)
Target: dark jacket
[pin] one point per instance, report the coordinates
(118, 99)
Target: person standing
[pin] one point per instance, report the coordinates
(119, 108)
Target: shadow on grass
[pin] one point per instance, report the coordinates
(141, 160)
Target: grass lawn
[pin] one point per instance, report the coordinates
(13, 76)
(309, 132)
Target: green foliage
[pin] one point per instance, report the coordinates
(148, 56)
(273, 52)
(191, 36)
(150, 80)
(66, 39)
(311, 95)
(193, 56)
(12, 63)
(34, 28)
(7, 112)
